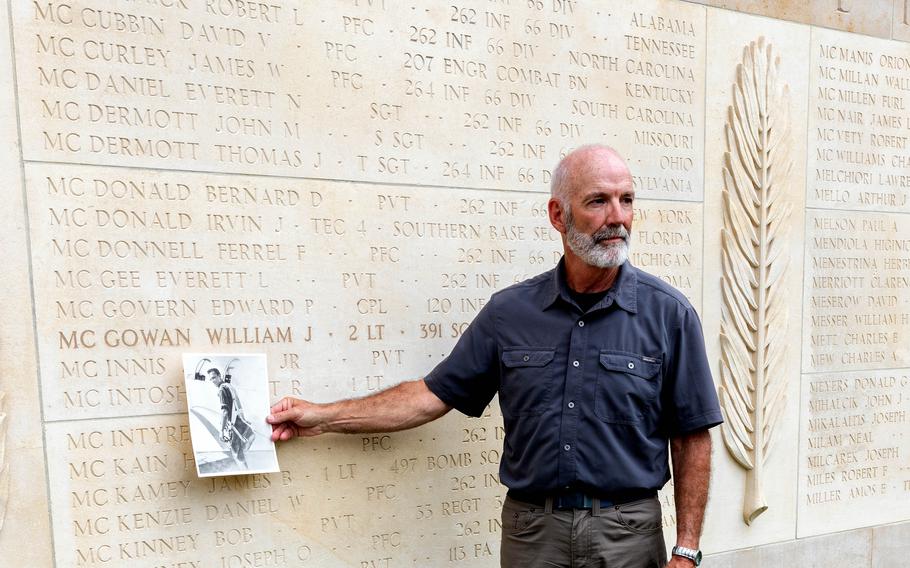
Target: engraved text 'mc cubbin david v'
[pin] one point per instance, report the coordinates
(755, 257)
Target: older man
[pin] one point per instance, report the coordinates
(599, 368)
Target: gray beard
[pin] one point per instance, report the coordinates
(592, 251)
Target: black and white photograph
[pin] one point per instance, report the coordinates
(228, 401)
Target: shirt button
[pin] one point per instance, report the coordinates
(575, 363)
(567, 447)
(571, 405)
(581, 324)
(631, 365)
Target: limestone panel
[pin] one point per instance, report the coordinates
(857, 292)
(856, 16)
(900, 27)
(779, 9)
(890, 545)
(126, 491)
(842, 550)
(870, 17)
(362, 92)
(754, 203)
(853, 464)
(145, 265)
(141, 266)
(858, 120)
(23, 496)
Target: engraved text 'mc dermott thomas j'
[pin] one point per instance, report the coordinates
(756, 170)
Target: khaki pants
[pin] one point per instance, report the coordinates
(621, 536)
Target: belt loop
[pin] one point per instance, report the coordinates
(595, 507)
(548, 506)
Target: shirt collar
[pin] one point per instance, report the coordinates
(624, 290)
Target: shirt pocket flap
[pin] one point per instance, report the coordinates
(644, 367)
(527, 357)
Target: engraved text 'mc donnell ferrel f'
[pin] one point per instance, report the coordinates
(755, 257)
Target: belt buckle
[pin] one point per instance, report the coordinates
(573, 501)
(580, 501)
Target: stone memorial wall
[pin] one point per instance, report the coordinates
(342, 184)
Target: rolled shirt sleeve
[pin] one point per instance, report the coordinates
(468, 378)
(690, 398)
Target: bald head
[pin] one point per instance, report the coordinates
(583, 162)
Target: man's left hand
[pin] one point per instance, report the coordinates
(680, 562)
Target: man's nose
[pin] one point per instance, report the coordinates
(614, 212)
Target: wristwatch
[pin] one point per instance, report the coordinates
(693, 555)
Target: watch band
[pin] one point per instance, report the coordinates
(693, 555)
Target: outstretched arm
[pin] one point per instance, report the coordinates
(404, 406)
(691, 474)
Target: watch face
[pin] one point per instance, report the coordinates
(697, 557)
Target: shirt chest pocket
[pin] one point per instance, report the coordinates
(527, 378)
(627, 387)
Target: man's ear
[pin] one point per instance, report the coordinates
(557, 215)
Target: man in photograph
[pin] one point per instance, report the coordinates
(235, 428)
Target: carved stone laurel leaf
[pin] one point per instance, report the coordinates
(754, 262)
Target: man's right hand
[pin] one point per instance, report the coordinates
(403, 406)
(292, 417)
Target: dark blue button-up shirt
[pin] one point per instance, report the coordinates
(589, 400)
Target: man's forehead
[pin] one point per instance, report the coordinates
(591, 194)
(592, 184)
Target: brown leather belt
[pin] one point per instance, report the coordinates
(579, 499)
